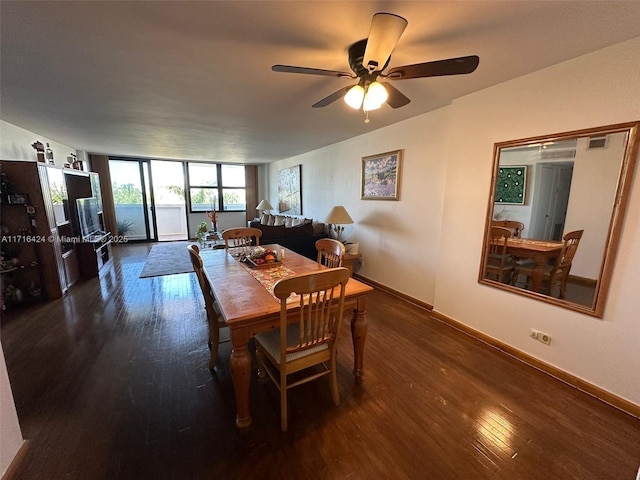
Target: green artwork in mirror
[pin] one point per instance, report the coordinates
(510, 185)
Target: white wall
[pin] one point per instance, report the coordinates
(428, 245)
(15, 144)
(393, 235)
(10, 436)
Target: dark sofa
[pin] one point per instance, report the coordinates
(301, 239)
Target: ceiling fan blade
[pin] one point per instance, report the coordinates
(386, 29)
(451, 66)
(332, 98)
(311, 71)
(396, 98)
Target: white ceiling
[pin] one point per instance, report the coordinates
(193, 80)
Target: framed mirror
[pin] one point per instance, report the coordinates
(555, 213)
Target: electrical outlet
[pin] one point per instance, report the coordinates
(540, 336)
(544, 338)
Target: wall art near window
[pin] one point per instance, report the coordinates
(511, 184)
(290, 190)
(381, 176)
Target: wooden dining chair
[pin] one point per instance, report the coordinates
(311, 340)
(515, 227)
(556, 273)
(241, 237)
(214, 317)
(330, 252)
(499, 263)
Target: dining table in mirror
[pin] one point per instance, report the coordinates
(563, 198)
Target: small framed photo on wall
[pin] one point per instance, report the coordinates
(381, 176)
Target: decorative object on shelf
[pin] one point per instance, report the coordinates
(351, 247)
(49, 155)
(338, 217)
(381, 176)
(18, 199)
(39, 148)
(290, 190)
(264, 206)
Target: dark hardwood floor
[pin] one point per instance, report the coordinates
(111, 382)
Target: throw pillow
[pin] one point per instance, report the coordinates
(279, 220)
(288, 222)
(264, 219)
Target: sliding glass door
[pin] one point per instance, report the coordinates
(130, 181)
(167, 178)
(149, 199)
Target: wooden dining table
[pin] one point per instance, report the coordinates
(245, 298)
(540, 251)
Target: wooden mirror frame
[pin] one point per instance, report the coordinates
(619, 206)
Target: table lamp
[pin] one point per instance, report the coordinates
(263, 206)
(338, 217)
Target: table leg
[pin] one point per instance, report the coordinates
(536, 275)
(358, 335)
(240, 364)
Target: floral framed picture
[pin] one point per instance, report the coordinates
(511, 185)
(381, 176)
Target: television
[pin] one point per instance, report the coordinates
(88, 216)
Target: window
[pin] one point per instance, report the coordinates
(212, 184)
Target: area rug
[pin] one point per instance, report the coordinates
(167, 259)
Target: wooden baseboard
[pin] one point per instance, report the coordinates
(569, 379)
(10, 474)
(393, 292)
(576, 382)
(584, 281)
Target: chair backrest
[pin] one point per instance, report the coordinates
(571, 241)
(330, 252)
(241, 237)
(498, 240)
(196, 261)
(497, 250)
(320, 308)
(515, 227)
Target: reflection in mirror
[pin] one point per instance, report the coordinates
(561, 200)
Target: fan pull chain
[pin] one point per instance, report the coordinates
(366, 116)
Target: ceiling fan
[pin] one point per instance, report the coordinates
(369, 57)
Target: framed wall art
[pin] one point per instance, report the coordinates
(511, 184)
(290, 190)
(381, 176)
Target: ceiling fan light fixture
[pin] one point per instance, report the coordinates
(354, 97)
(369, 104)
(376, 93)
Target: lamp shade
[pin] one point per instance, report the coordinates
(354, 97)
(264, 205)
(338, 216)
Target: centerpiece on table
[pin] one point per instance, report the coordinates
(261, 257)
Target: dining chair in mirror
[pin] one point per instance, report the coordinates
(545, 186)
(515, 227)
(330, 252)
(499, 263)
(555, 273)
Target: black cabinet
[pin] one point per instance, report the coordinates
(20, 273)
